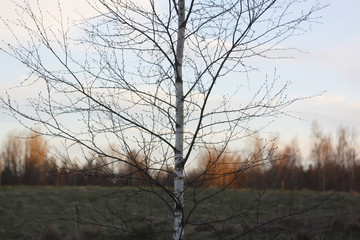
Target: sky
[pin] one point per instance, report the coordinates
(327, 68)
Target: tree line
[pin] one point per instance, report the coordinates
(333, 165)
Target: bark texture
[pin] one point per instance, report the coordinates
(179, 160)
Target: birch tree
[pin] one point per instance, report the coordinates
(149, 75)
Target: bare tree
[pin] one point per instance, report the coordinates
(145, 75)
(322, 153)
(12, 158)
(25, 159)
(286, 173)
(35, 160)
(346, 154)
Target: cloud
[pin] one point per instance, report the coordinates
(343, 57)
(332, 111)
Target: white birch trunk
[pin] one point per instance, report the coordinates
(179, 160)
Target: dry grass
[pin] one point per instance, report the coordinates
(54, 213)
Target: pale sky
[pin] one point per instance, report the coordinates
(331, 67)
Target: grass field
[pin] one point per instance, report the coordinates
(112, 213)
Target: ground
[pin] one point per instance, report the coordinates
(114, 213)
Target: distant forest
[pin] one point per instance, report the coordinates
(334, 165)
